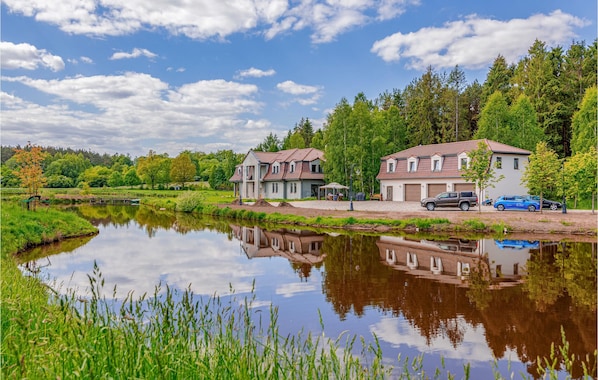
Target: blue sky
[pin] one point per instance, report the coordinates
(127, 76)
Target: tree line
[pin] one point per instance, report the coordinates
(548, 96)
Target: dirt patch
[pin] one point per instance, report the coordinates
(285, 204)
(262, 203)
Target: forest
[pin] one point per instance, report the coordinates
(548, 96)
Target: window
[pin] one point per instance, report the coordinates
(293, 188)
(516, 163)
(275, 169)
(275, 188)
(315, 168)
(391, 167)
(499, 162)
(411, 166)
(436, 166)
(292, 167)
(463, 163)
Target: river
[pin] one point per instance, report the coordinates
(452, 300)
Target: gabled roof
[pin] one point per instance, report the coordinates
(289, 155)
(455, 148)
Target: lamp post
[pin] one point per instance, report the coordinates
(564, 205)
(351, 188)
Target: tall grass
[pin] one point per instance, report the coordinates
(170, 334)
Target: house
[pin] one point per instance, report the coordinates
(427, 170)
(287, 174)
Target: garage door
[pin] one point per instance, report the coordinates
(413, 193)
(436, 188)
(464, 187)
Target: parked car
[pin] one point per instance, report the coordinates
(516, 202)
(516, 244)
(546, 203)
(461, 199)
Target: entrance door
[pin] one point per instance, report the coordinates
(389, 193)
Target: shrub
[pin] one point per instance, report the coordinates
(189, 201)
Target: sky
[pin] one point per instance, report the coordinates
(127, 76)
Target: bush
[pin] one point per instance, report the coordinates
(189, 201)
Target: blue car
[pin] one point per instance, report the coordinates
(516, 202)
(516, 244)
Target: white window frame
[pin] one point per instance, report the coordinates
(391, 166)
(292, 168)
(412, 165)
(436, 159)
(276, 168)
(460, 158)
(516, 163)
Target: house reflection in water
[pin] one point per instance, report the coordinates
(301, 248)
(453, 260)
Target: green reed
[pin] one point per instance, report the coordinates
(170, 334)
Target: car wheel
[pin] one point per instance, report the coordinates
(430, 206)
(464, 206)
(500, 208)
(531, 208)
(554, 206)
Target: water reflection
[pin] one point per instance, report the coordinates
(464, 300)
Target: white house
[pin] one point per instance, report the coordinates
(427, 170)
(287, 174)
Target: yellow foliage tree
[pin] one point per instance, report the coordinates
(30, 170)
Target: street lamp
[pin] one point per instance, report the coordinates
(564, 205)
(351, 188)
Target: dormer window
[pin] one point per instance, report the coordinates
(412, 165)
(390, 166)
(292, 168)
(436, 163)
(275, 168)
(463, 161)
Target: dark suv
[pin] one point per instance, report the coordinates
(462, 199)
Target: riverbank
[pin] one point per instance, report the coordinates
(578, 225)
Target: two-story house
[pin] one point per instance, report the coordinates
(287, 174)
(427, 170)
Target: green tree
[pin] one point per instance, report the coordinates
(498, 79)
(524, 129)
(59, 182)
(457, 81)
(8, 177)
(480, 171)
(131, 178)
(584, 125)
(116, 179)
(182, 169)
(218, 178)
(494, 120)
(423, 109)
(580, 175)
(270, 144)
(295, 141)
(96, 176)
(70, 165)
(542, 172)
(154, 168)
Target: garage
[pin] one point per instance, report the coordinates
(436, 188)
(413, 193)
(464, 187)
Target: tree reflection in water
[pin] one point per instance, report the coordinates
(520, 305)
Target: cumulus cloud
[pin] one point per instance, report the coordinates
(474, 41)
(203, 19)
(28, 57)
(134, 54)
(106, 112)
(255, 73)
(303, 94)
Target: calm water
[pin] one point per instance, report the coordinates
(451, 300)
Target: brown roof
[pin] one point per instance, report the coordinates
(455, 148)
(449, 153)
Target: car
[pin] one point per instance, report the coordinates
(461, 199)
(546, 203)
(517, 244)
(516, 202)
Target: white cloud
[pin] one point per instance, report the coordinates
(255, 73)
(86, 59)
(104, 113)
(203, 19)
(473, 42)
(293, 88)
(28, 57)
(134, 54)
